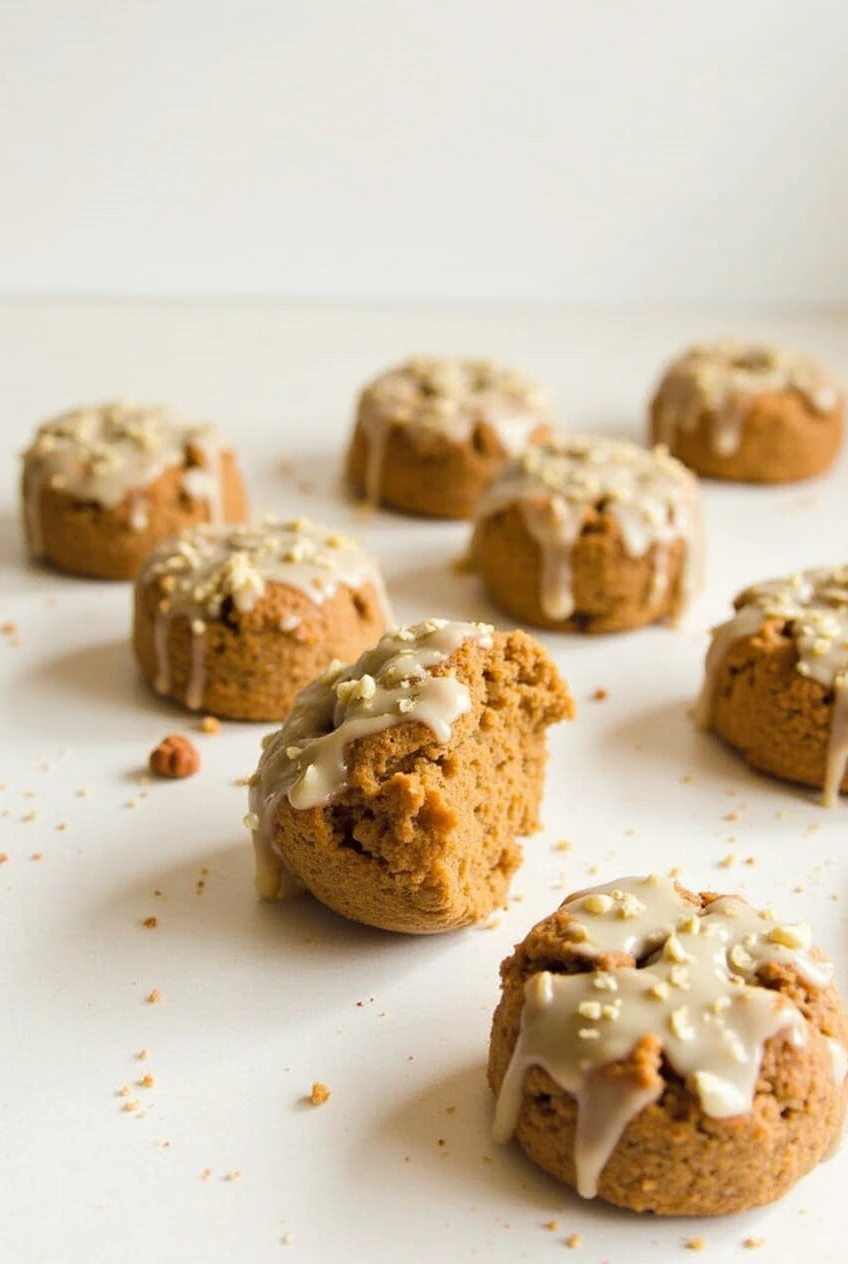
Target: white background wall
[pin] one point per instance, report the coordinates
(586, 150)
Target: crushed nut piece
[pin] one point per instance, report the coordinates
(175, 757)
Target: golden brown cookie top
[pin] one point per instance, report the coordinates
(103, 452)
(718, 382)
(652, 962)
(453, 396)
(387, 685)
(201, 569)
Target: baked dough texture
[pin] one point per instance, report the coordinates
(588, 534)
(749, 413)
(397, 787)
(235, 621)
(431, 434)
(669, 1052)
(102, 486)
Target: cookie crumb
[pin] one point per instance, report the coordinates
(143, 1055)
(286, 1239)
(150, 923)
(234, 1175)
(132, 1106)
(600, 695)
(9, 628)
(695, 1244)
(210, 724)
(3, 857)
(152, 997)
(751, 1244)
(573, 1241)
(62, 825)
(36, 855)
(319, 1094)
(562, 845)
(206, 1173)
(147, 1081)
(551, 1225)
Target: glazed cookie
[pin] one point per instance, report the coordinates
(669, 1052)
(590, 535)
(776, 686)
(748, 412)
(102, 486)
(237, 620)
(396, 787)
(431, 434)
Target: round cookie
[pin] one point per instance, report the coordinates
(590, 535)
(669, 1052)
(396, 787)
(102, 486)
(776, 685)
(235, 621)
(431, 434)
(748, 412)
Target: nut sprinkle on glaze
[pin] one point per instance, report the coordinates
(811, 608)
(722, 379)
(204, 568)
(104, 453)
(387, 685)
(451, 397)
(653, 498)
(690, 986)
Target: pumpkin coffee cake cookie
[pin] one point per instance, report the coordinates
(396, 787)
(431, 434)
(103, 485)
(669, 1052)
(591, 535)
(236, 620)
(749, 412)
(776, 686)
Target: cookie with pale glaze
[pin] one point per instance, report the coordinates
(776, 682)
(104, 485)
(431, 433)
(749, 412)
(397, 786)
(588, 534)
(235, 621)
(669, 1052)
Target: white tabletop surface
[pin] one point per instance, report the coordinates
(224, 1160)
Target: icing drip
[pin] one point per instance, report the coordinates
(204, 567)
(812, 606)
(387, 685)
(451, 398)
(653, 498)
(722, 380)
(103, 454)
(694, 990)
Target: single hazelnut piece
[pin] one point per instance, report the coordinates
(174, 757)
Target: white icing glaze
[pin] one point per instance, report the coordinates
(720, 381)
(451, 398)
(388, 685)
(654, 499)
(694, 989)
(105, 453)
(204, 567)
(813, 606)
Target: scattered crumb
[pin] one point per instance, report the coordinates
(29, 816)
(573, 1241)
(751, 1244)
(143, 1055)
(150, 923)
(8, 629)
(600, 695)
(147, 1081)
(750, 860)
(132, 1105)
(695, 1244)
(319, 1094)
(562, 845)
(687, 778)
(124, 1090)
(142, 779)
(235, 1175)
(450, 1110)
(3, 857)
(551, 1225)
(62, 825)
(782, 815)
(131, 803)
(492, 924)
(675, 871)
(83, 793)
(286, 1239)
(730, 816)
(241, 781)
(441, 1141)
(727, 862)
(206, 1173)
(210, 724)
(174, 758)
(36, 855)
(152, 997)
